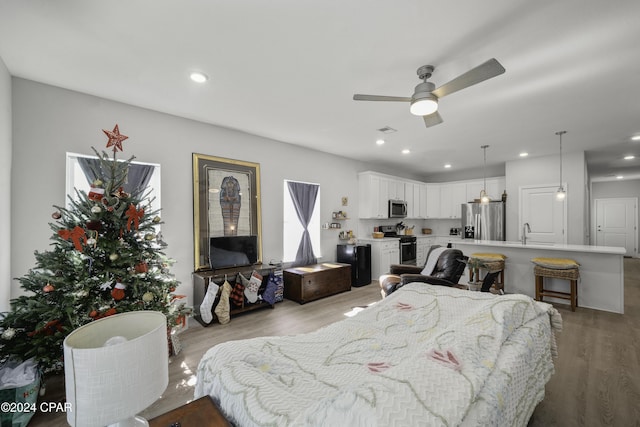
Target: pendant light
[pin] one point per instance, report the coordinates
(484, 198)
(561, 193)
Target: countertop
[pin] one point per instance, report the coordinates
(545, 246)
(419, 236)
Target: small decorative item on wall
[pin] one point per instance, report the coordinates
(226, 202)
(345, 201)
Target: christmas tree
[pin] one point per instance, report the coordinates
(107, 258)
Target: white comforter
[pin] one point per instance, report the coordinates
(425, 355)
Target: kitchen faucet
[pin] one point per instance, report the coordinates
(525, 228)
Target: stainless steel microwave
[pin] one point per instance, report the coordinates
(397, 209)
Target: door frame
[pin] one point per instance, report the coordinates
(565, 233)
(594, 214)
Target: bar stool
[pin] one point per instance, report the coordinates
(493, 263)
(557, 268)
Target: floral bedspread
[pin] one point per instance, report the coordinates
(425, 355)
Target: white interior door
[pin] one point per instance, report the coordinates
(616, 223)
(546, 215)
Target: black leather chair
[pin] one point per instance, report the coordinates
(447, 272)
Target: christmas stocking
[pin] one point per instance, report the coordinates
(207, 303)
(251, 291)
(223, 307)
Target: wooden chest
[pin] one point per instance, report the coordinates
(312, 282)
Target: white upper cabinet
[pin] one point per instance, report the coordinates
(416, 197)
(433, 201)
(372, 203)
(452, 196)
(495, 187)
(424, 201)
(395, 189)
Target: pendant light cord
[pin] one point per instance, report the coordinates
(560, 133)
(484, 169)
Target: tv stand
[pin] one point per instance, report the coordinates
(201, 280)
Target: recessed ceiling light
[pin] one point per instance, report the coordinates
(379, 141)
(635, 138)
(406, 151)
(629, 157)
(619, 177)
(198, 77)
(447, 166)
(524, 154)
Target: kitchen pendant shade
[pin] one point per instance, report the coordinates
(116, 367)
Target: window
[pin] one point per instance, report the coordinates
(77, 180)
(301, 245)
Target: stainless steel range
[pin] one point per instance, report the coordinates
(408, 244)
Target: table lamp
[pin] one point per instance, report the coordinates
(116, 367)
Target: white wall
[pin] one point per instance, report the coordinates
(50, 121)
(5, 187)
(546, 171)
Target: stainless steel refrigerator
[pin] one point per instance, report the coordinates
(483, 221)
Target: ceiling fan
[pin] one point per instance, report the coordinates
(424, 101)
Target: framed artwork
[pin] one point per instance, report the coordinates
(226, 202)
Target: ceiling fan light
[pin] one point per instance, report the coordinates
(424, 106)
(561, 194)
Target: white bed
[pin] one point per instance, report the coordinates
(425, 355)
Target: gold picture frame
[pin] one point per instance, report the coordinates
(215, 213)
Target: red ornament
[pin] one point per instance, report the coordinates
(96, 194)
(115, 138)
(48, 288)
(118, 291)
(141, 267)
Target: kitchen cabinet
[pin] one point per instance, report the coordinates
(395, 189)
(383, 254)
(424, 200)
(416, 198)
(452, 196)
(495, 187)
(422, 249)
(372, 195)
(433, 201)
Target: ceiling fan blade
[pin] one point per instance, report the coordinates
(432, 119)
(489, 69)
(358, 97)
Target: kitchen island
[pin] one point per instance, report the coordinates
(601, 284)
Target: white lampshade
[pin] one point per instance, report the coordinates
(111, 383)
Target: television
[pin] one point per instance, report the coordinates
(232, 251)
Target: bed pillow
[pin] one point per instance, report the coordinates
(556, 263)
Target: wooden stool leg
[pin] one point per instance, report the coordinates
(574, 296)
(538, 283)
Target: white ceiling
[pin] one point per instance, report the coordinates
(287, 70)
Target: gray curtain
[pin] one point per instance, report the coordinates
(304, 199)
(138, 176)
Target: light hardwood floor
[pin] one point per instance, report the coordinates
(597, 379)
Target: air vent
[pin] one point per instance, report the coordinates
(387, 129)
